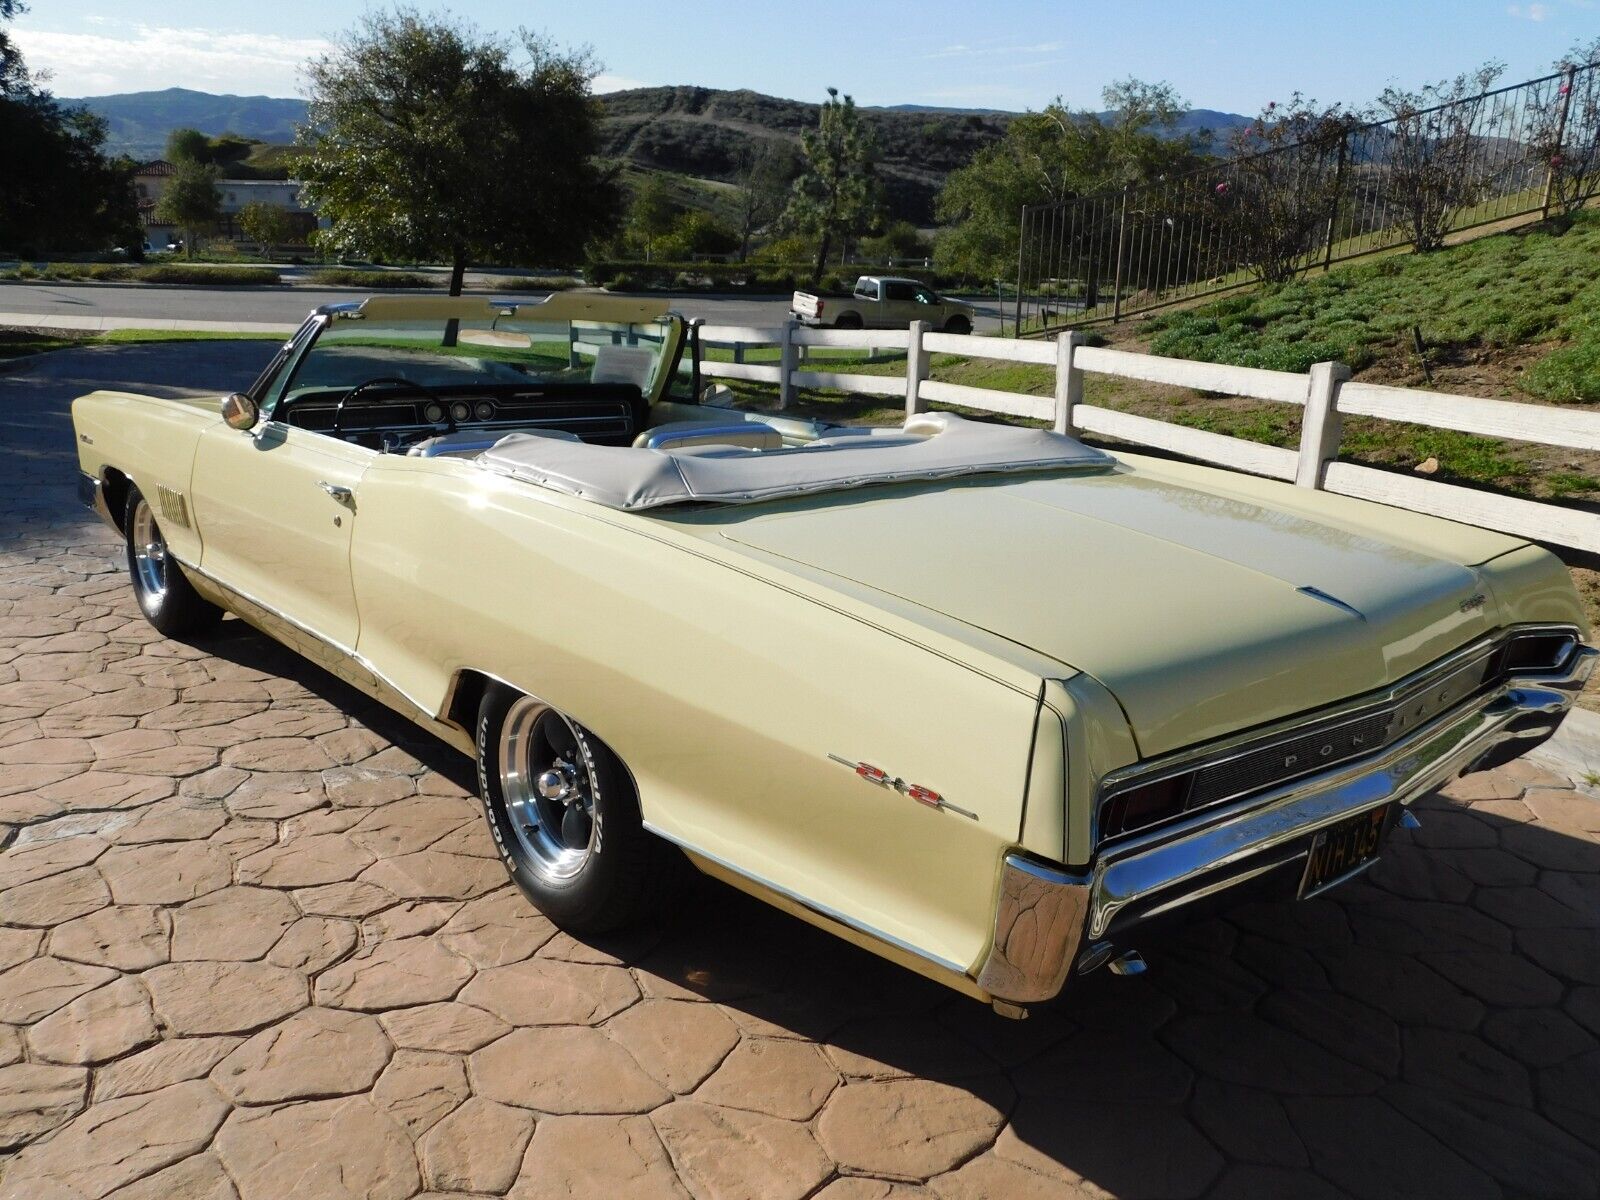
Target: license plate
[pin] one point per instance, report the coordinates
(1341, 850)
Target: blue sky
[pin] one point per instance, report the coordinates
(1225, 54)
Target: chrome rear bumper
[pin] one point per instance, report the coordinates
(1048, 915)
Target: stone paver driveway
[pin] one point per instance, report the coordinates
(254, 945)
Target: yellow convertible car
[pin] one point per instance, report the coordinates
(981, 698)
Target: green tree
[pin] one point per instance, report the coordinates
(13, 75)
(763, 178)
(188, 146)
(900, 240)
(836, 195)
(57, 188)
(427, 140)
(651, 213)
(697, 232)
(191, 201)
(265, 224)
(1051, 156)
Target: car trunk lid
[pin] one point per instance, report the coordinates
(1204, 613)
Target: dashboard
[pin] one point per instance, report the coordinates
(607, 415)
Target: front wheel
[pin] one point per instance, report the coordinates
(565, 818)
(166, 597)
(958, 325)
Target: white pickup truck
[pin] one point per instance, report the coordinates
(883, 302)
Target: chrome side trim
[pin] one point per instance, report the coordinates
(335, 654)
(821, 910)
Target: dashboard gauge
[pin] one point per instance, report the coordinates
(485, 410)
(433, 413)
(460, 410)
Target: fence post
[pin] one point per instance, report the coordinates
(1122, 233)
(1550, 167)
(738, 352)
(786, 349)
(572, 346)
(916, 369)
(1069, 380)
(1333, 209)
(1319, 431)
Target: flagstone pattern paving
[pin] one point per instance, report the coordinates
(254, 945)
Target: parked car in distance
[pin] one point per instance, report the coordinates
(980, 698)
(884, 302)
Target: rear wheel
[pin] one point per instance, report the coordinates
(565, 818)
(848, 321)
(166, 597)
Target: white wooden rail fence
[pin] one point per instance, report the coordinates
(1325, 394)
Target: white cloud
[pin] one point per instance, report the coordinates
(1530, 12)
(607, 82)
(1010, 49)
(152, 57)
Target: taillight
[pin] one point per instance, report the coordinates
(819, 307)
(1545, 650)
(1141, 806)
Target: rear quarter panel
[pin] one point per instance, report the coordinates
(723, 692)
(151, 441)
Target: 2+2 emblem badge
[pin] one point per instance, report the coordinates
(914, 791)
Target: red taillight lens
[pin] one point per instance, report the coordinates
(1142, 806)
(819, 307)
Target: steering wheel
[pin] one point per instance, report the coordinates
(338, 412)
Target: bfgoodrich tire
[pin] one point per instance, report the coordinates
(166, 597)
(565, 819)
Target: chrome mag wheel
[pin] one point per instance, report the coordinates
(149, 554)
(547, 778)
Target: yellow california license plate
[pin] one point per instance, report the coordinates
(1341, 850)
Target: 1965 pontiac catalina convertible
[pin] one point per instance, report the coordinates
(980, 698)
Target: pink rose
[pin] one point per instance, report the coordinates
(1222, 189)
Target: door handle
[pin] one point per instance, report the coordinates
(342, 494)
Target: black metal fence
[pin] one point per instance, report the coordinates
(1413, 178)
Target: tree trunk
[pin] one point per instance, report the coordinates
(188, 242)
(458, 272)
(822, 256)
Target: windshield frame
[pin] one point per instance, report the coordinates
(277, 379)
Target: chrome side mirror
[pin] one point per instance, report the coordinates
(717, 394)
(239, 411)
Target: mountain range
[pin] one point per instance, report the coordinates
(700, 133)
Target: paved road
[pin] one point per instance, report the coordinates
(289, 305)
(254, 943)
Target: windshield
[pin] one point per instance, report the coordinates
(442, 354)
